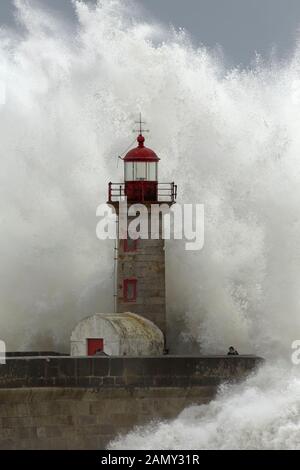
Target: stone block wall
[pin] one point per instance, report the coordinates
(99, 372)
(83, 403)
(147, 265)
(75, 418)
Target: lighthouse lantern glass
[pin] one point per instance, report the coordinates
(152, 171)
(140, 171)
(129, 171)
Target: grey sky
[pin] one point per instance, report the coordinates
(241, 27)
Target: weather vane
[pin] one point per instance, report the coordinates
(140, 122)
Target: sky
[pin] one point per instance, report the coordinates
(241, 27)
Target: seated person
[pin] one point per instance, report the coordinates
(232, 352)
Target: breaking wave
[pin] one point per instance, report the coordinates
(229, 138)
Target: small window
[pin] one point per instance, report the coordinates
(130, 290)
(130, 245)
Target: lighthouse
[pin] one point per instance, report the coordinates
(140, 263)
(138, 326)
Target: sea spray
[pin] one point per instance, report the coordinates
(261, 413)
(229, 138)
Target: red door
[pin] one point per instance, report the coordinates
(94, 345)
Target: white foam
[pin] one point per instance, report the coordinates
(229, 138)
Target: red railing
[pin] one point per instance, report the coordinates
(166, 192)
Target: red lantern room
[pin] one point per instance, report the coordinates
(141, 178)
(140, 173)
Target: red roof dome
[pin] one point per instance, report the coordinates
(141, 153)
